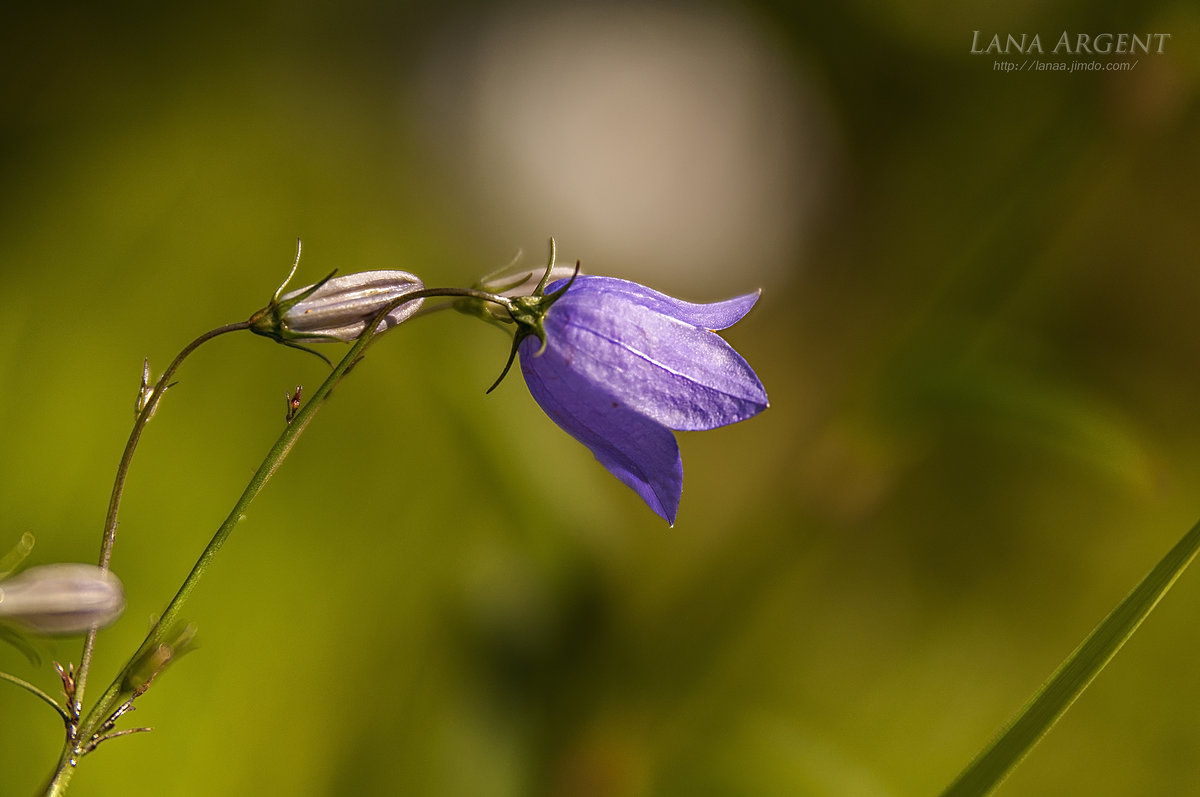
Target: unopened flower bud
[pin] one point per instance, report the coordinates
(339, 308)
(61, 598)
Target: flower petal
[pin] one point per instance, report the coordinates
(637, 450)
(676, 374)
(714, 315)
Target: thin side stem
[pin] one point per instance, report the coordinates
(33, 690)
(114, 503)
(275, 457)
(435, 293)
(102, 711)
(159, 635)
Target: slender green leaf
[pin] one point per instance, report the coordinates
(1067, 683)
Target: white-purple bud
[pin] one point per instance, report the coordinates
(61, 598)
(341, 306)
(338, 308)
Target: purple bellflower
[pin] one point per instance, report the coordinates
(619, 367)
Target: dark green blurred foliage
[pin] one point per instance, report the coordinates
(978, 340)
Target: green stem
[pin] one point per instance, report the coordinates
(114, 503)
(62, 774)
(66, 764)
(275, 457)
(28, 687)
(95, 720)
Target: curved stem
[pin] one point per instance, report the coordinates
(147, 411)
(33, 690)
(435, 293)
(114, 503)
(275, 457)
(121, 686)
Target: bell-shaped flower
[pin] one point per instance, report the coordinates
(620, 367)
(61, 598)
(338, 307)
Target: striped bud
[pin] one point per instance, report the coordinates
(338, 308)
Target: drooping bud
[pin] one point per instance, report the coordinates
(338, 307)
(61, 598)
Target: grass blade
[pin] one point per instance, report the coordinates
(1067, 683)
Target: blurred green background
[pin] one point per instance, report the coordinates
(978, 333)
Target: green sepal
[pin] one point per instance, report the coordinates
(529, 313)
(269, 321)
(12, 560)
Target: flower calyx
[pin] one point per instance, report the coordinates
(529, 312)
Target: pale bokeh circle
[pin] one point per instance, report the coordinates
(660, 144)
